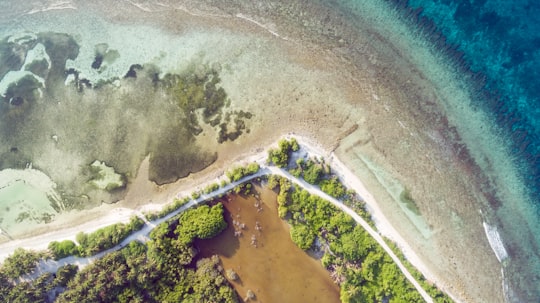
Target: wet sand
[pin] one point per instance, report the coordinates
(357, 95)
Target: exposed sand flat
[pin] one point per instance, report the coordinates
(353, 92)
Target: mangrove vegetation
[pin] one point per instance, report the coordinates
(165, 269)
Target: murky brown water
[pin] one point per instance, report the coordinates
(273, 267)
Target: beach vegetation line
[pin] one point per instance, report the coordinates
(354, 259)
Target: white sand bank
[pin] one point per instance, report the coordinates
(495, 241)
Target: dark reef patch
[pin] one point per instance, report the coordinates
(12, 55)
(59, 47)
(176, 156)
(61, 128)
(13, 158)
(133, 69)
(239, 126)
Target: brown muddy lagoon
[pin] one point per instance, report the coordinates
(257, 246)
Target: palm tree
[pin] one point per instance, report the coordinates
(338, 274)
(352, 290)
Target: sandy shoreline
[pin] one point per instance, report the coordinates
(308, 147)
(122, 215)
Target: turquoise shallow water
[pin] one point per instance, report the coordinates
(499, 42)
(492, 49)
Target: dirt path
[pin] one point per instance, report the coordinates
(143, 234)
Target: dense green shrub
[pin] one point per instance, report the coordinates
(302, 236)
(63, 249)
(211, 188)
(333, 187)
(280, 156)
(161, 271)
(64, 274)
(169, 208)
(203, 222)
(240, 172)
(361, 267)
(107, 237)
(195, 195)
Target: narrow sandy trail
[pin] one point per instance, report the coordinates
(316, 191)
(143, 234)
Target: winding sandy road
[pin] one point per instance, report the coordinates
(316, 191)
(143, 234)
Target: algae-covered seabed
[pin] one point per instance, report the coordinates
(346, 82)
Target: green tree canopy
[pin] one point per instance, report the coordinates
(203, 222)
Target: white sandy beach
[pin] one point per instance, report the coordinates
(309, 148)
(122, 215)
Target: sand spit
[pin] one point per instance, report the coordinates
(495, 241)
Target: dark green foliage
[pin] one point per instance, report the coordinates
(302, 236)
(203, 222)
(283, 196)
(361, 267)
(160, 271)
(240, 172)
(21, 262)
(313, 173)
(273, 181)
(318, 173)
(5, 287)
(156, 272)
(64, 274)
(209, 284)
(437, 295)
(107, 237)
(356, 261)
(103, 281)
(280, 157)
(353, 245)
(311, 170)
(195, 195)
(29, 292)
(333, 187)
(210, 188)
(244, 189)
(63, 249)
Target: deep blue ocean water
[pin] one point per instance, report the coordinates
(501, 41)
